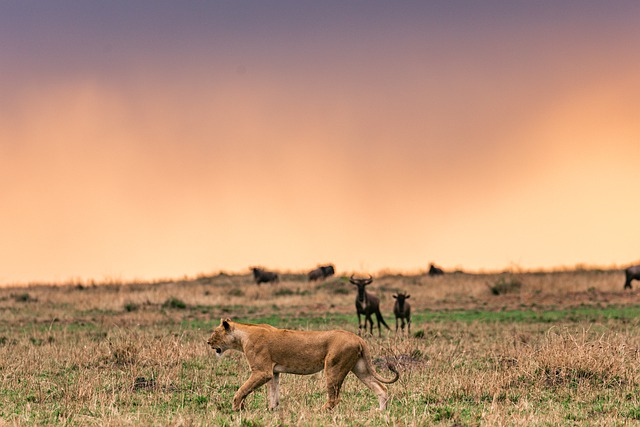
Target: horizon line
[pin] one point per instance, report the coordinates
(384, 272)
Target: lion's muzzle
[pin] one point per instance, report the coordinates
(217, 349)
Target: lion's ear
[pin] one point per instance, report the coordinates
(226, 325)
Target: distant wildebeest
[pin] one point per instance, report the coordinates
(321, 273)
(402, 311)
(435, 271)
(366, 305)
(631, 273)
(264, 276)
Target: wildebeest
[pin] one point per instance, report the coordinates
(435, 271)
(264, 276)
(402, 311)
(367, 304)
(321, 273)
(631, 273)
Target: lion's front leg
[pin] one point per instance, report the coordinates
(256, 379)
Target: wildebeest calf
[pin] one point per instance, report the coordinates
(402, 311)
(264, 276)
(631, 273)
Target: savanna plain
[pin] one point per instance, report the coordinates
(534, 349)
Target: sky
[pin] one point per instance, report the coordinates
(162, 139)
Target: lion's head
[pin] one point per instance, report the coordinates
(222, 338)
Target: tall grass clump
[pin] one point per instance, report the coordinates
(568, 359)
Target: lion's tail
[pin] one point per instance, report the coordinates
(366, 354)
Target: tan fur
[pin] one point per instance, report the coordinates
(271, 351)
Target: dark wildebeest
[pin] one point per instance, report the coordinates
(435, 271)
(367, 304)
(264, 276)
(321, 273)
(402, 311)
(328, 270)
(631, 273)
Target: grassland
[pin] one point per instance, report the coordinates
(512, 349)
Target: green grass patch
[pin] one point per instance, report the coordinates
(577, 314)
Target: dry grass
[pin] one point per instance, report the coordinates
(561, 349)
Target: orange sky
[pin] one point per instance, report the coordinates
(388, 139)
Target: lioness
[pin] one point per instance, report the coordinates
(271, 351)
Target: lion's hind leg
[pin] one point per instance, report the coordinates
(274, 391)
(333, 392)
(335, 370)
(361, 370)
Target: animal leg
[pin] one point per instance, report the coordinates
(408, 326)
(370, 321)
(335, 370)
(362, 372)
(361, 326)
(333, 392)
(256, 379)
(396, 325)
(274, 391)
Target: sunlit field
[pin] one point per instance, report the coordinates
(485, 349)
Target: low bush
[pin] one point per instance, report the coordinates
(505, 286)
(174, 303)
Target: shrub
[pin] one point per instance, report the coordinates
(235, 292)
(129, 307)
(174, 303)
(25, 297)
(504, 286)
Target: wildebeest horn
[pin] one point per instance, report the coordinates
(355, 281)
